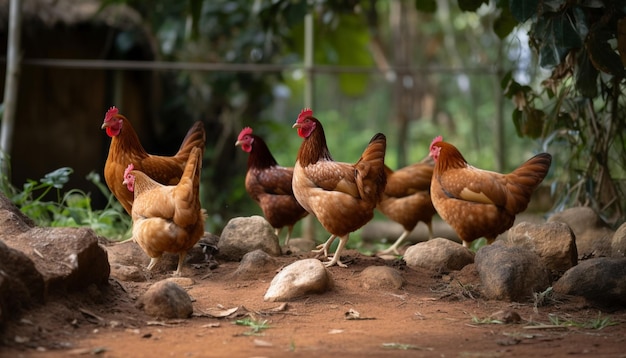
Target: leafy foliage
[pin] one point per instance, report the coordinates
(579, 110)
(71, 208)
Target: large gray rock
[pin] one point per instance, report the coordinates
(21, 285)
(439, 254)
(510, 273)
(600, 280)
(554, 243)
(593, 235)
(298, 279)
(246, 234)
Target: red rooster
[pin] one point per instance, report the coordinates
(269, 184)
(126, 148)
(406, 199)
(341, 195)
(167, 218)
(479, 203)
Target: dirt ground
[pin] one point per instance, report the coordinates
(433, 315)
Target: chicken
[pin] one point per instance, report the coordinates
(167, 218)
(125, 148)
(269, 184)
(341, 195)
(479, 203)
(406, 199)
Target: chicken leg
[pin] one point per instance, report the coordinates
(323, 248)
(394, 248)
(337, 256)
(181, 260)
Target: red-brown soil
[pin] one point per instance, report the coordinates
(433, 315)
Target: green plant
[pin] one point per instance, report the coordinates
(256, 325)
(71, 208)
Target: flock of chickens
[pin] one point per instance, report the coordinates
(161, 193)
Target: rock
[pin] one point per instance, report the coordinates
(381, 277)
(618, 242)
(510, 273)
(166, 299)
(299, 246)
(127, 273)
(128, 253)
(246, 234)
(21, 285)
(298, 279)
(553, 242)
(255, 262)
(599, 280)
(439, 254)
(506, 316)
(68, 258)
(593, 235)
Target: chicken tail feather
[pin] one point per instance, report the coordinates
(525, 179)
(195, 137)
(187, 190)
(370, 169)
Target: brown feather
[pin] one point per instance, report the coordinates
(126, 148)
(341, 195)
(269, 185)
(406, 199)
(480, 203)
(169, 218)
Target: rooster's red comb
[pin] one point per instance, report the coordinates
(244, 132)
(306, 112)
(128, 169)
(111, 112)
(436, 140)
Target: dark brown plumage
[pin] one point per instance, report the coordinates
(269, 184)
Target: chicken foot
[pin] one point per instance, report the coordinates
(323, 248)
(337, 256)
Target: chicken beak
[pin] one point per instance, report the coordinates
(104, 125)
(238, 143)
(296, 125)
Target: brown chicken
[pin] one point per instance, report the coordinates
(269, 184)
(479, 203)
(341, 195)
(126, 148)
(406, 199)
(167, 218)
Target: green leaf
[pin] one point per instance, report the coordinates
(427, 6)
(58, 177)
(557, 35)
(586, 76)
(470, 5)
(504, 24)
(523, 10)
(602, 55)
